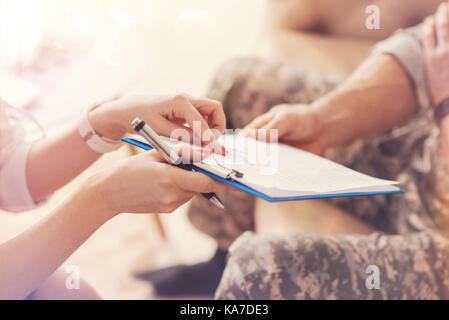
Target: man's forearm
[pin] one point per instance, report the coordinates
(376, 97)
(292, 14)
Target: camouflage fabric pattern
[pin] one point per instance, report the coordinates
(410, 250)
(307, 266)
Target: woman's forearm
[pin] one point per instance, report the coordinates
(31, 257)
(377, 97)
(54, 161)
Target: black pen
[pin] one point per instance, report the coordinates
(145, 131)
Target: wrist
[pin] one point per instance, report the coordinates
(94, 194)
(105, 120)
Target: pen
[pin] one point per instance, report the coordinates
(145, 131)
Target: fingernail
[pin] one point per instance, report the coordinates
(224, 151)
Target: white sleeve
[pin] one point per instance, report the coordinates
(14, 193)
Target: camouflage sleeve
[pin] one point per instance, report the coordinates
(378, 266)
(405, 46)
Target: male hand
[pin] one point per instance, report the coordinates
(296, 124)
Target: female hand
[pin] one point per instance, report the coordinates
(297, 125)
(146, 183)
(435, 41)
(166, 113)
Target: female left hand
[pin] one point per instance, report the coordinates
(205, 117)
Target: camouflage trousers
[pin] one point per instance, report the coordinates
(411, 256)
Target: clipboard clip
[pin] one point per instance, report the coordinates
(235, 173)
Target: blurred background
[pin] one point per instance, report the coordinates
(72, 52)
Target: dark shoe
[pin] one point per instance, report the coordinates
(199, 279)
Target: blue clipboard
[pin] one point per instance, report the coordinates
(256, 193)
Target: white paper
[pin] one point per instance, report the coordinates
(282, 171)
(278, 170)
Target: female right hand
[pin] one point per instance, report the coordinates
(146, 183)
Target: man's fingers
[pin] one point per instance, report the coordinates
(258, 122)
(442, 24)
(280, 121)
(276, 128)
(269, 129)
